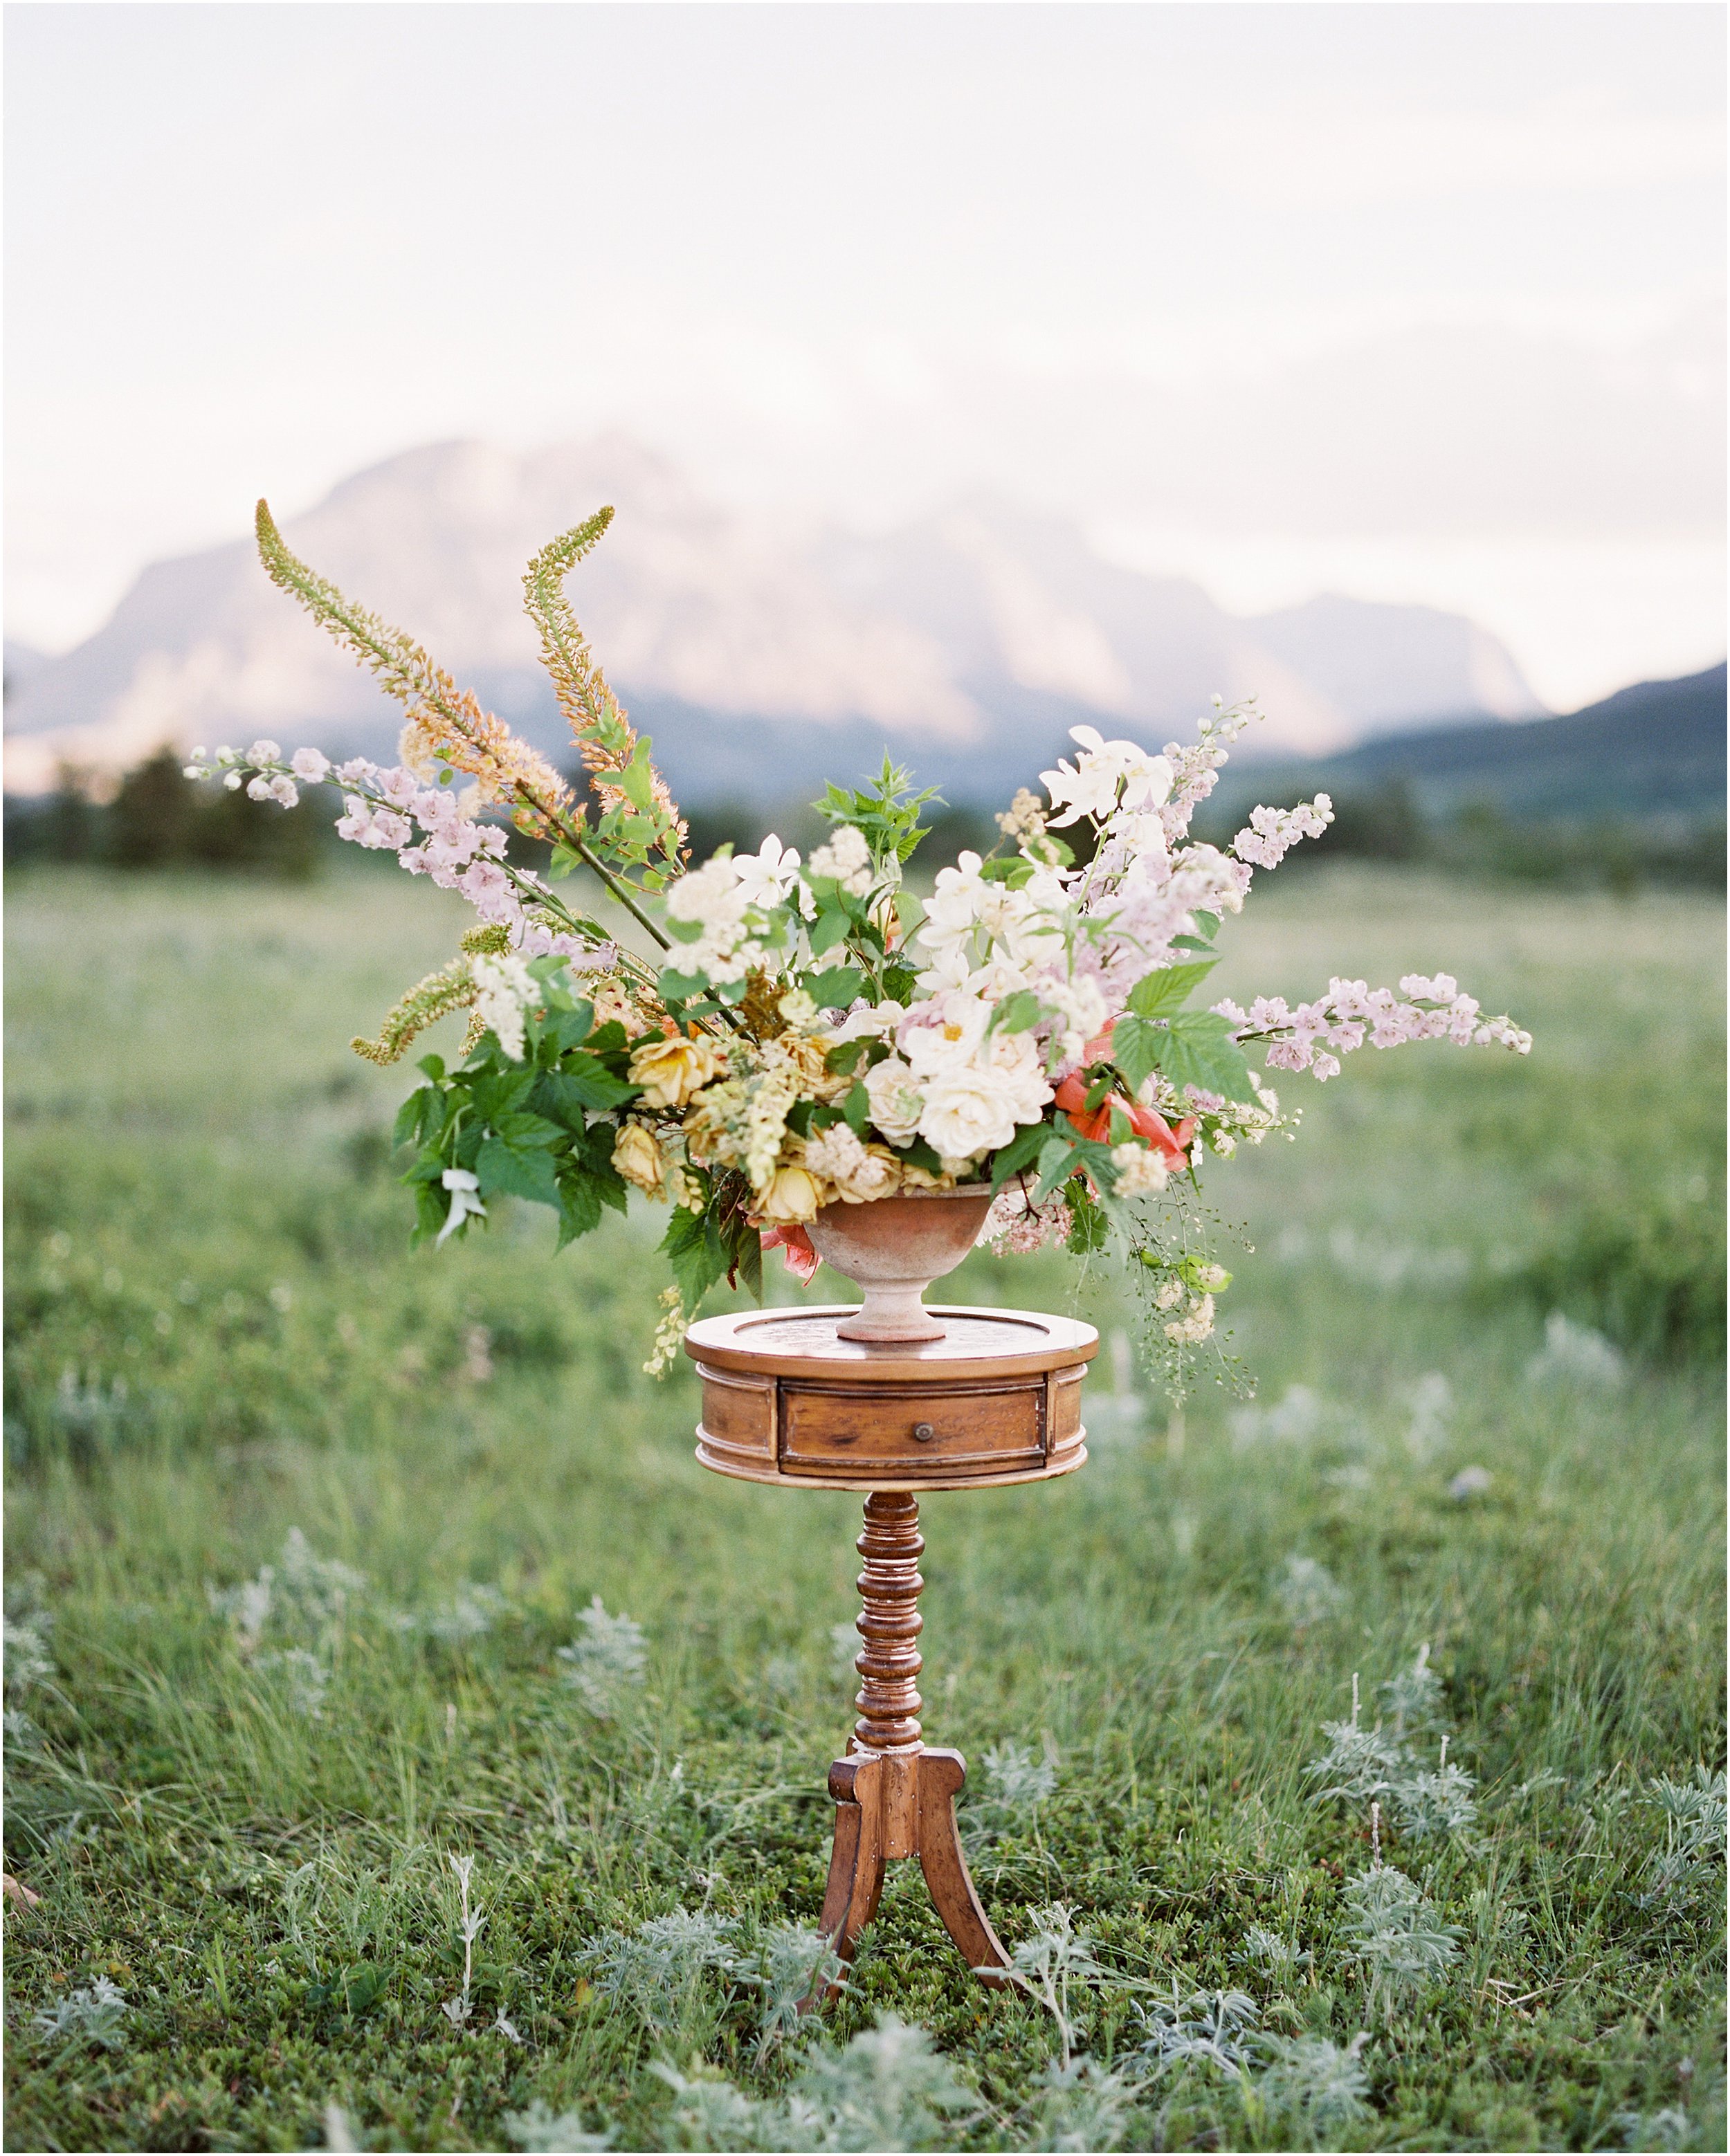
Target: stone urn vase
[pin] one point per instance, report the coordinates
(893, 1249)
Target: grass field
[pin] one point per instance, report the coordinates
(239, 1810)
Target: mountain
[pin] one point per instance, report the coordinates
(22, 661)
(1651, 753)
(761, 660)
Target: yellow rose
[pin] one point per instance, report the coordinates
(792, 1195)
(639, 1160)
(670, 1070)
(818, 1082)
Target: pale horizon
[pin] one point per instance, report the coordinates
(1419, 304)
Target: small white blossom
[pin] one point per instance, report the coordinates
(507, 988)
(1140, 1172)
(846, 858)
(464, 1185)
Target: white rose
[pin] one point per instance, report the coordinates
(971, 1110)
(895, 1099)
(944, 1033)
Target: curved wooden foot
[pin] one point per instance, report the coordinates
(856, 1862)
(941, 1775)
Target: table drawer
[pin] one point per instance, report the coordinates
(989, 1429)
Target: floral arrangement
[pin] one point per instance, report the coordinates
(796, 1034)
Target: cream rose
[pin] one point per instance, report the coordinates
(972, 1110)
(859, 1173)
(670, 1070)
(894, 1099)
(792, 1195)
(640, 1160)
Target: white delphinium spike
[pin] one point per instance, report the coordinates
(339, 2133)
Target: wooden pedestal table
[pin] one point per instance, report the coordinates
(998, 1399)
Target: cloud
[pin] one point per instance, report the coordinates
(1332, 154)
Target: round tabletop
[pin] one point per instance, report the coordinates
(802, 1342)
(786, 1399)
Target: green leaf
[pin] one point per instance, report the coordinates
(744, 1254)
(829, 928)
(1021, 1152)
(921, 1155)
(525, 1173)
(1056, 1162)
(636, 782)
(567, 1028)
(1016, 1013)
(1208, 923)
(1137, 1043)
(579, 1206)
(582, 1082)
(857, 1107)
(1198, 1050)
(681, 988)
(844, 1058)
(434, 1065)
(409, 1117)
(835, 987)
(899, 983)
(523, 1128)
(1159, 994)
(695, 1252)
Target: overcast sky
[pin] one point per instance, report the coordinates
(1409, 301)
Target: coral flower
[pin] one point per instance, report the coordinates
(1171, 1144)
(794, 1245)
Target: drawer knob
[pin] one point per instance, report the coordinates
(923, 1433)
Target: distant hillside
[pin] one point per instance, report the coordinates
(1656, 752)
(761, 660)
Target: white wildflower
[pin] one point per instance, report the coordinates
(507, 990)
(1140, 1172)
(463, 1186)
(846, 858)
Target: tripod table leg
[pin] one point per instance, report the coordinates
(856, 1861)
(941, 1775)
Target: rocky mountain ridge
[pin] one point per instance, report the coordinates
(761, 660)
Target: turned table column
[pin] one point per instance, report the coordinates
(996, 1400)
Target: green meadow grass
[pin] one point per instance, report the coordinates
(216, 1336)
